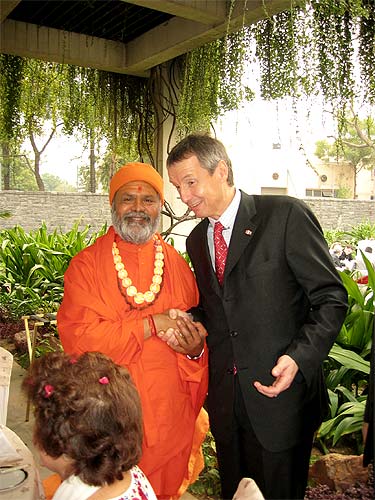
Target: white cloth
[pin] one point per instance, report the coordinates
(368, 248)
(31, 488)
(248, 490)
(9, 456)
(6, 363)
(74, 489)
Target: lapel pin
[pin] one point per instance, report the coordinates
(248, 232)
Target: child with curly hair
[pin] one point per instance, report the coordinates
(88, 426)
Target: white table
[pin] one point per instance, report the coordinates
(31, 488)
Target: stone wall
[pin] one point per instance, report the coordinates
(58, 210)
(62, 210)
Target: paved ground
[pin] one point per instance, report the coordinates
(17, 418)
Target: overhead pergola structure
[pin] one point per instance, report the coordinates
(128, 37)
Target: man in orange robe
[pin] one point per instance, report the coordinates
(111, 305)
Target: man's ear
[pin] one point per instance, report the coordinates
(222, 170)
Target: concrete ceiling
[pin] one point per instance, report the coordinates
(127, 37)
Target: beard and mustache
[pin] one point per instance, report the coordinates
(137, 232)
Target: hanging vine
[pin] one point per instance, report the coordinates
(11, 73)
(312, 48)
(367, 49)
(308, 49)
(117, 107)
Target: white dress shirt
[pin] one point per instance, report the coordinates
(227, 219)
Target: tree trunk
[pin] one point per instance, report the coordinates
(38, 178)
(5, 166)
(92, 187)
(354, 182)
(38, 153)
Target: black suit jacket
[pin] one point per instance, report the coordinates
(281, 295)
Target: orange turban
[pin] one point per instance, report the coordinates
(136, 172)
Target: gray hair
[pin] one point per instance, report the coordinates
(208, 150)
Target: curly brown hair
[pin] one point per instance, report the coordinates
(88, 409)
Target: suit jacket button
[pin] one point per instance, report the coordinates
(233, 334)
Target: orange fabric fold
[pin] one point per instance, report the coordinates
(50, 485)
(94, 316)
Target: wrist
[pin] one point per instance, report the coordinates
(151, 324)
(194, 358)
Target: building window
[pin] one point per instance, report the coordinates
(273, 190)
(319, 193)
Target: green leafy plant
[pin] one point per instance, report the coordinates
(32, 266)
(334, 235)
(208, 483)
(348, 366)
(348, 420)
(363, 231)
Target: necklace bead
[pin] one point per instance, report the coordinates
(131, 292)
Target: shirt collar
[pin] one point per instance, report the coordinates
(228, 216)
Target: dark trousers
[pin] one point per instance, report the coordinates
(281, 475)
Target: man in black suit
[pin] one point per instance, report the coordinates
(270, 324)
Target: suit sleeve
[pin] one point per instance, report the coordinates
(309, 259)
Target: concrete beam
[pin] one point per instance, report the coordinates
(48, 44)
(178, 36)
(201, 11)
(6, 7)
(171, 39)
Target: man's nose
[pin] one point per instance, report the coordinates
(138, 204)
(184, 195)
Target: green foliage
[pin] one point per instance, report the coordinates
(276, 52)
(212, 81)
(55, 183)
(333, 235)
(47, 342)
(108, 164)
(11, 74)
(348, 366)
(363, 231)
(208, 482)
(109, 105)
(32, 266)
(343, 192)
(310, 48)
(355, 144)
(348, 420)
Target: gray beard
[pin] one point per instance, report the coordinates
(133, 232)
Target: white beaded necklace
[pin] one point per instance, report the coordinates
(139, 299)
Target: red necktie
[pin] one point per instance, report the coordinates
(221, 251)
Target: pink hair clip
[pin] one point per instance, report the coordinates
(104, 381)
(72, 361)
(48, 390)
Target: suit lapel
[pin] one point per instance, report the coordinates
(243, 230)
